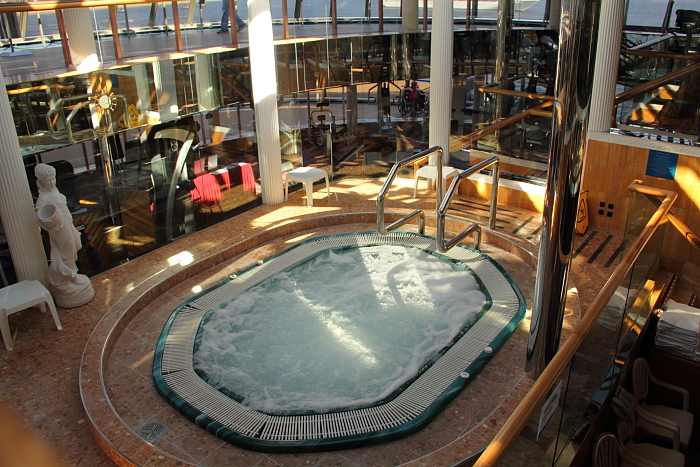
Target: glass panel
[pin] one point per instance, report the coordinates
(668, 112)
(651, 14)
(597, 364)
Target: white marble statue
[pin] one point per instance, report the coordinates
(69, 288)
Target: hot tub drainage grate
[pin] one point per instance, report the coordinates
(152, 430)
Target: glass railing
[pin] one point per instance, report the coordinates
(350, 105)
(200, 13)
(656, 95)
(559, 417)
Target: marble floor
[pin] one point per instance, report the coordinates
(41, 383)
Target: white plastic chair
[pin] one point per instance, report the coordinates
(645, 453)
(610, 453)
(307, 176)
(20, 296)
(429, 172)
(682, 418)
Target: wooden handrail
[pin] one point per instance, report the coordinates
(459, 143)
(657, 83)
(510, 431)
(652, 42)
(679, 225)
(509, 92)
(657, 54)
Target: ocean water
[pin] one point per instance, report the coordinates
(343, 329)
(640, 12)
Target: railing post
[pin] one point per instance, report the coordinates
(495, 180)
(334, 17)
(285, 19)
(176, 25)
(115, 31)
(64, 38)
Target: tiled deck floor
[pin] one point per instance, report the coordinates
(39, 378)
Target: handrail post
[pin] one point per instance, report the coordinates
(443, 246)
(387, 184)
(495, 180)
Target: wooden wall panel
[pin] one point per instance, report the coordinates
(610, 168)
(508, 196)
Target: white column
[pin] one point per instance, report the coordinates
(612, 15)
(16, 204)
(166, 91)
(263, 70)
(351, 108)
(143, 91)
(555, 14)
(207, 95)
(441, 44)
(81, 39)
(409, 15)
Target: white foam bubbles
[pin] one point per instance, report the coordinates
(345, 328)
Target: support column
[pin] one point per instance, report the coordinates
(505, 23)
(351, 112)
(166, 91)
(143, 90)
(263, 71)
(409, 15)
(441, 45)
(81, 39)
(554, 15)
(16, 203)
(612, 15)
(207, 89)
(577, 45)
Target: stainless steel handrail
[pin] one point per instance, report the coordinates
(387, 185)
(89, 99)
(475, 227)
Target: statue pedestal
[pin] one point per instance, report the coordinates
(71, 294)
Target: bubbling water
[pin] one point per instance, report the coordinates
(343, 329)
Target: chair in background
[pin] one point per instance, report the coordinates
(212, 162)
(20, 296)
(641, 378)
(199, 166)
(645, 453)
(307, 176)
(207, 191)
(610, 453)
(429, 172)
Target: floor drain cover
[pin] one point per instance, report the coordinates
(152, 430)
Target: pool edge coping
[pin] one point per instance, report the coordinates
(99, 411)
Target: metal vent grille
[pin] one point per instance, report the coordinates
(152, 430)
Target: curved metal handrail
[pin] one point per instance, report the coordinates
(89, 99)
(475, 227)
(507, 435)
(387, 185)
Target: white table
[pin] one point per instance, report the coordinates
(20, 296)
(307, 176)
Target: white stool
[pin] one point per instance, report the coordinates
(306, 175)
(430, 172)
(20, 296)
